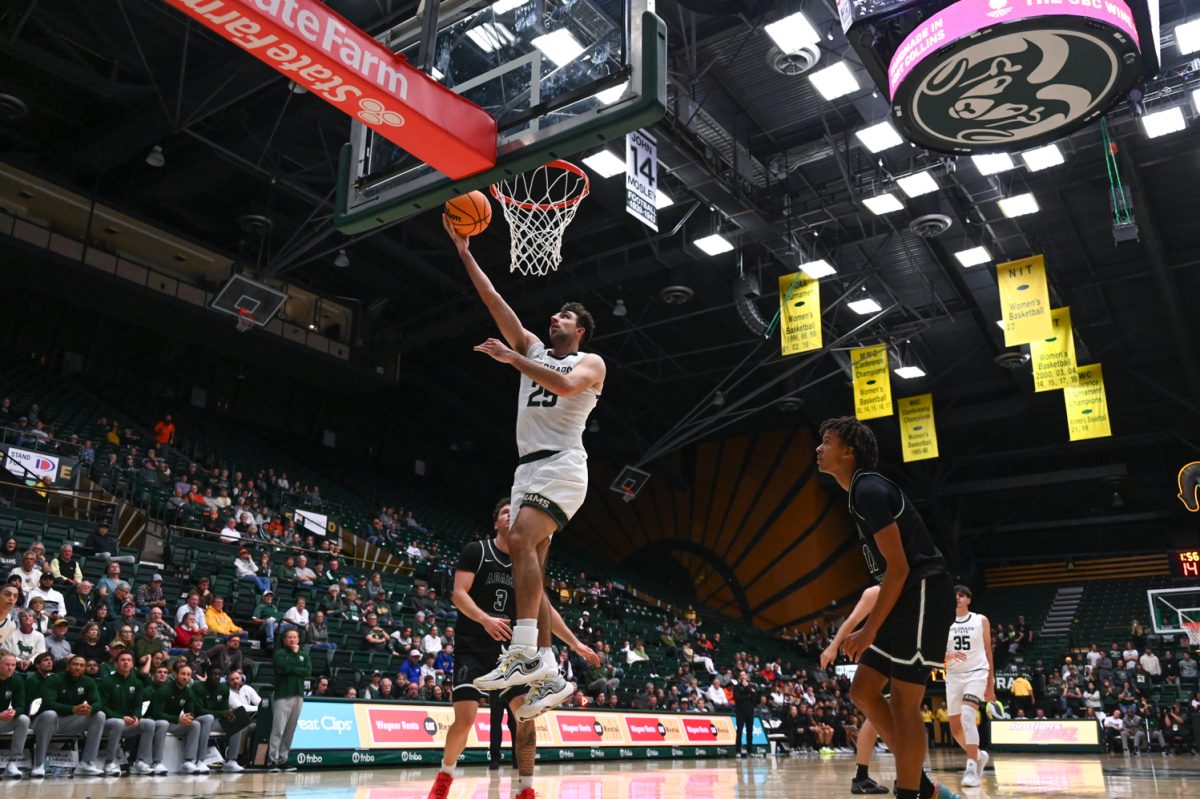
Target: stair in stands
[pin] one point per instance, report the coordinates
(1061, 615)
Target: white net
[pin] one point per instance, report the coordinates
(1192, 628)
(538, 206)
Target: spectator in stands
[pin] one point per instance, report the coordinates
(80, 604)
(104, 547)
(196, 657)
(65, 568)
(62, 714)
(411, 668)
(150, 595)
(87, 454)
(246, 571)
(230, 533)
(10, 556)
(55, 603)
(90, 645)
(1130, 655)
(304, 577)
(164, 431)
(1177, 724)
(28, 571)
(39, 556)
(56, 642)
(316, 635)
(334, 602)
(148, 644)
(1150, 663)
(119, 598)
(297, 616)
(229, 655)
(375, 639)
(185, 631)
(265, 617)
(203, 587)
(219, 622)
(431, 642)
(1187, 670)
(241, 696)
(320, 687)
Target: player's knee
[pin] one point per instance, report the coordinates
(863, 695)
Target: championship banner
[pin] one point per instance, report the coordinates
(872, 382)
(799, 313)
(1087, 405)
(1054, 358)
(918, 436)
(1024, 300)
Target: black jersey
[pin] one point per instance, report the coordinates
(876, 502)
(492, 591)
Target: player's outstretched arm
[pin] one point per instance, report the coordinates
(510, 326)
(497, 627)
(589, 372)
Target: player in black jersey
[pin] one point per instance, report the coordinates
(902, 638)
(483, 594)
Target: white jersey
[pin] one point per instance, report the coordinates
(547, 422)
(966, 636)
(8, 628)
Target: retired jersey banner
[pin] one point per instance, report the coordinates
(872, 382)
(918, 436)
(1024, 301)
(800, 313)
(1054, 358)
(1087, 405)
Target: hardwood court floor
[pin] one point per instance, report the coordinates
(1061, 776)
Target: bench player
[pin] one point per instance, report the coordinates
(483, 595)
(559, 388)
(970, 681)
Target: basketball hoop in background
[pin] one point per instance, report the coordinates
(1192, 628)
(245, 320)
(538, 206)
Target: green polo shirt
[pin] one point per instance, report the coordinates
(12, 694)
(291, 670)
(211, 700)
(61, 693)
(169, 701)
(122, 697)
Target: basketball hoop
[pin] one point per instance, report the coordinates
(245, 320)
(1192, 628)
(538, 206)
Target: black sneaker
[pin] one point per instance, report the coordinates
(867, 785)
(494, 765)
(274, 767)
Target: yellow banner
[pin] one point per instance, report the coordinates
(800, 313)
(1054, 358)
(872, 382)
(1087, 406)
(1024, 300)
(918, 435)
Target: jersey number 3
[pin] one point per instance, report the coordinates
(501, 600)
(962, 643)
(541, 398)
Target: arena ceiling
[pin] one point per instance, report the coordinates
(98, 85)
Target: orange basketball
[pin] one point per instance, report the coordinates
(469, 214)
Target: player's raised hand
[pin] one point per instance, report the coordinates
(587, 653)
(497, 627)
(496, 349)
(857, 643)
(461, 242)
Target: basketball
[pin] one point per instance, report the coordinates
(469, 214)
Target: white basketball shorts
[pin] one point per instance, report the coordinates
(972, 685)
(555, 485)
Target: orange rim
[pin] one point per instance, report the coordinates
(566, 166)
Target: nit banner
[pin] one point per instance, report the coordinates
(799, 313)
(1054, 358)
(1087, 405)
(918, 436)
(1024, 301)
(872, 383)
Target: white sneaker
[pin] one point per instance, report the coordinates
(160, 770)
(544, 696)
(112, 770)
(188, 767)
(514, 668)
(13, 770)
(984, 759)
(233, 766)
(38, 772)
(214, 762)
(88, 770)
(141, 767)
(201, 768)
(970, 777)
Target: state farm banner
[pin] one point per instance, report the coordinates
(344, 724)
(321, 51)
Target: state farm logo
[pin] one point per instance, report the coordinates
(376, 113)
(1000, 9)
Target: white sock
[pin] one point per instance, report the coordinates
(524, 782)
(546, 653)
(972, 762)
(448, 769)
(525, 635)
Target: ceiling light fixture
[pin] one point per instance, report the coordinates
(864, 307)
(917, 184)
(882, 204)
(504, 6)
(1160, 123)
(834, 81)
(559, 46)
(342, 260)
(491, 36)
(909, 372)
(878, 138)
(1187, 37)
(155, 157)
(993, 163)
(818, 269)
(792, 33)
(1042, 158)
(973, 256)
(605, 163)
(714, 244)
(1018, 205)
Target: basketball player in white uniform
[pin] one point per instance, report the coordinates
(9, 595)
(970, 681)
(559, 388)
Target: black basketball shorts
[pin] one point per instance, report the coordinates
(912, 640)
